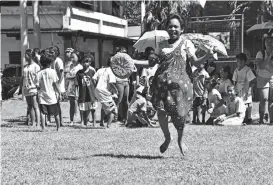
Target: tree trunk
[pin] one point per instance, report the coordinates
(36, 24)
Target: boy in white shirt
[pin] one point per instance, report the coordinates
(242, 78)
(47, 84)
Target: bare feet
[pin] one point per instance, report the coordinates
(165, 145)
(183, 149)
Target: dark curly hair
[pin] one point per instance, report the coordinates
(178, 17)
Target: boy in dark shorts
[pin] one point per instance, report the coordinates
(48, 90)
(86, 85)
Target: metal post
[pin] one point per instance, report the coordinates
(242, 33)
(36, 24)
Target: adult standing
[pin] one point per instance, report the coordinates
(172, 88)
(123, 92)
(264, 61)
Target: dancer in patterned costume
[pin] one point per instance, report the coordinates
(172, 88)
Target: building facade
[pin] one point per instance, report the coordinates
(88, 26)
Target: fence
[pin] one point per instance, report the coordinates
(226, 28)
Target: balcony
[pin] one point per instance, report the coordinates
(94, 22)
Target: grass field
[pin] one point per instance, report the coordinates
(87, 155)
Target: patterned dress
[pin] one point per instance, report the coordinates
(172, 88)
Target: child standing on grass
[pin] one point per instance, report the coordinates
(29, 88)
(235, 112)
(215, 101)
(71, 90)
(199, 77)
(105, 92)
(242, 78)
(49, 92)
(86, 86)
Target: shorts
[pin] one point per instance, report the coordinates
(53, 109)
(109, 107)
(88, 106)
(262, 82)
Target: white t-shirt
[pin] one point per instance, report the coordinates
(242, 78)
(148, 72)
(214, 98)
(104, 77)
(47, 94)
(268, 72)
(237, 106)
(224, 85)
(58, 66)
(29, 79)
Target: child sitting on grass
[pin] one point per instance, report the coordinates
(86, 87)
(48, 90)
(235, 110)
(216, 103)
(137, 112)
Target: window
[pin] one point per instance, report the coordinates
(15, 57)
(89, 5)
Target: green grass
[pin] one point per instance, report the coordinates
(77, 155)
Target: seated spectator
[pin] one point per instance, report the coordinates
(235, 110)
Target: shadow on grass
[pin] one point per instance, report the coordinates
(25, 130)
(119, 156)
(18, 121)
(86, 127)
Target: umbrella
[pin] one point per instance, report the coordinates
(259, 29)
(151, 39)
(122, 65)
(206, 41)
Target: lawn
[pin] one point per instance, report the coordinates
(87, 155)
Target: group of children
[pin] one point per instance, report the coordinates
(227, 100)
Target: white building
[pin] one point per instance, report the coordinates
(88, 26)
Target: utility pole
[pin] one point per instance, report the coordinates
(36, 24)
(24, 30)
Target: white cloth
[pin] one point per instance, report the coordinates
(58, 66)
(214, 98)
(29, 79)
(186, 48)
(236, 106)
(264, 73)
(71, 89)
(47, 94)
(104, 77)
(224, 85)
(242, 78)
(148, 72)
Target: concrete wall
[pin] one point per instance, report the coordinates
(11, 44)
(107, 50)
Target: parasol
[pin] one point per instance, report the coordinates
(259, 29)
(151, 39)
(206, 41)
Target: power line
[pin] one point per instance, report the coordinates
(49, 25)
(50, 16)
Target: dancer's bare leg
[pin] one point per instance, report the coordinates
(163, 122)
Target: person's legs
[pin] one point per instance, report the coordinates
(57, 120)
(82, 117)
(195, 110)
(263, 103)
(43, 118)
(31, 109)
(85, 117)
(36, 109)
(72, 109)
(120, 88)
(110, 119)
(60, 114)
(163, 122)
(270, 105)
(126, 100)
(93, 117)
(102, 118)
